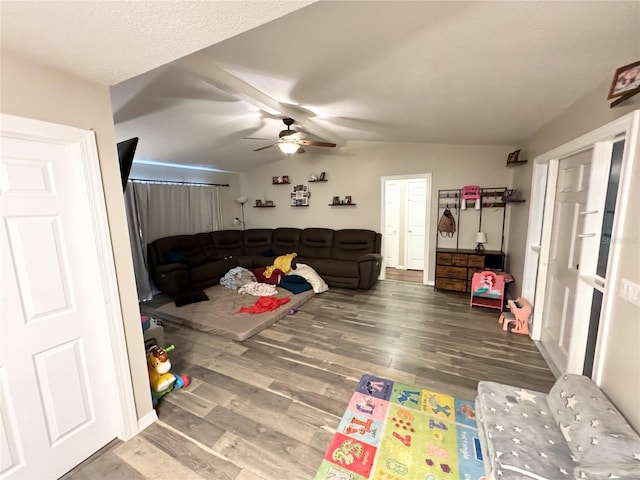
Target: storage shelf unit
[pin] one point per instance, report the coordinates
(455, 267)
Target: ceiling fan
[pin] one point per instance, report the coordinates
(290, 142)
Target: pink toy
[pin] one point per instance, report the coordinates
(470, 192)
(518, 318)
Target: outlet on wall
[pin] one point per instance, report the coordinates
(630, 291)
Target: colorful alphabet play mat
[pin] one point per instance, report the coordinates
(393, 431)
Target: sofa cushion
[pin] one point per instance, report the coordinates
(350, 244)
(258, 240)
(228, 243)
(285, 240)
(316, 243)
(212, 270)
(594, 430)
(521, 434)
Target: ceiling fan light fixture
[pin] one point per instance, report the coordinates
(288, 147)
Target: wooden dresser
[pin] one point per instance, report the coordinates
(455, 268)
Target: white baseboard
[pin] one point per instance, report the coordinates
(147, 420)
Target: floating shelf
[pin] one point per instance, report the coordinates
(296, 206)
(341, 204)
(264, 206)
(314, 181)
(516, 163)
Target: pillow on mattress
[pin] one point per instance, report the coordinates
(274, 279)
(295, 284)
(311, 276)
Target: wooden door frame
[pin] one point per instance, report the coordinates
(84, 144)
(427, 234)
(545, 173)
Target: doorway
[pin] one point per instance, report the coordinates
(568, 267)
(405, 224)
(64, 392)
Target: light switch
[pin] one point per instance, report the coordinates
(630, 291)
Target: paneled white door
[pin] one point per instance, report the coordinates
(58, 400)
(392, 223)
(416, 222)
(562, 274)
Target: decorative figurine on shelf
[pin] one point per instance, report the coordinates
(470, 192)
(162, 381)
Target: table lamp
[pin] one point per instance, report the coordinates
(481, 239)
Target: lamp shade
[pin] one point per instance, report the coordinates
(242, 200)
(288, 147)
(481, 237)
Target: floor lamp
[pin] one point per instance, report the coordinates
(241, 200)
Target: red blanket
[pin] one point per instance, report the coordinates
(265, 304)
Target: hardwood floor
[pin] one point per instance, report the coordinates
(413, 276)
(266, 408)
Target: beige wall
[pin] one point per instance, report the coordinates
(619, 362)
(34, 91)
(357, 170)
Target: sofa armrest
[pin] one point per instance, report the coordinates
(369, 266)
(172, 278)
(621, 471)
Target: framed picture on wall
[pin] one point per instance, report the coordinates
(626, 80)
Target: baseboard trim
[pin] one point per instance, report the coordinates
(149, 419)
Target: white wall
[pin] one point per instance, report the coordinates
(619, 363)
(356, 170)
(34, 91)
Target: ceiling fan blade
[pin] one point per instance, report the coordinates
(264, 148)
(316, 144)
(256, 138)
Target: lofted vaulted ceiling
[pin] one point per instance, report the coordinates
(483, 73)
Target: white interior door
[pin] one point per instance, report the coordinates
(416, 222)
(562, 272)
(392, 223)
(56, 364)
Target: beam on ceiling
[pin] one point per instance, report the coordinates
(200, 65)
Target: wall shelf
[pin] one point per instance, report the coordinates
(517, 163)
(315, 181)
(264, 206)
(296, 206)
(342, 204)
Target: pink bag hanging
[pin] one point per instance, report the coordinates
(470, 192)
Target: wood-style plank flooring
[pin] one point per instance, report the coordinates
(413, 276)
(266, 408)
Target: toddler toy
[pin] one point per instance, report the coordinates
(161, 379)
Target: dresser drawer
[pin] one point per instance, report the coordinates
(476, 261)
(451, 284)
(451, 272)
(459, 259)
(443, 259)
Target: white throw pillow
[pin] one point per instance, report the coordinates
(311, 276)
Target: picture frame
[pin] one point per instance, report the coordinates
(347, 200)
(280, 180)
(513, 157)
(626, 81)
(336, 201)
(269, 203)
(258, 203)
(323, 176)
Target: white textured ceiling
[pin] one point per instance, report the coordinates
(480, 72)
(110, 41)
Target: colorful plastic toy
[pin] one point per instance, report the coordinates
(161, 379)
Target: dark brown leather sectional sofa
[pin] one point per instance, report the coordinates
(348, 258)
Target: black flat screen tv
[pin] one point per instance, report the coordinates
(126, 152)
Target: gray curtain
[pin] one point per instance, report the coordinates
(157, 210)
